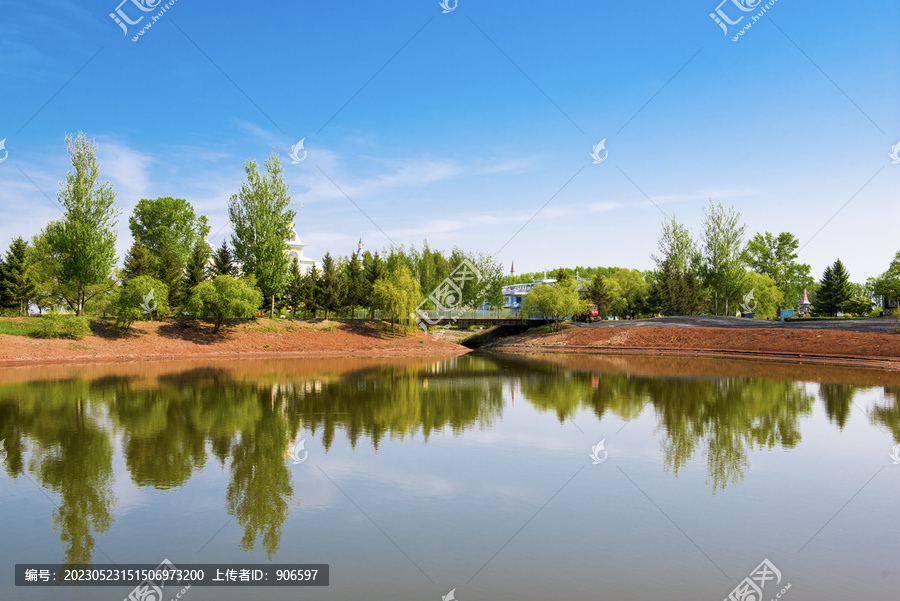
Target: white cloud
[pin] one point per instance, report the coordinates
(126, 168)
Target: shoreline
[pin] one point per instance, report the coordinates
(171, 341)
(789, 358)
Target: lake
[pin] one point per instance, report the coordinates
(481, 476)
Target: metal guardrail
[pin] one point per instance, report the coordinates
(453, 314)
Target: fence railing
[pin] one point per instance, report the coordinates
(454, 314)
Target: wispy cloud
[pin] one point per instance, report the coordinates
(126, 168)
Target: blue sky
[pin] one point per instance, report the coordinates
(459, 127)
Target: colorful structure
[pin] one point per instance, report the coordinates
(804, 305)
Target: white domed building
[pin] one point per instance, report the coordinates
(295, 251)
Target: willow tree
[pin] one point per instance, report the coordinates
(85, 237)
(262, 221)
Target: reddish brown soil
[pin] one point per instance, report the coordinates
(792, 344)
(263, 338)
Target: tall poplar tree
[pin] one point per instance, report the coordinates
(723, 252)
(85, 237)
(262, 218)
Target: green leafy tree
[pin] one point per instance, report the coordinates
(223, 261)
(84, 239)
(139, 299)
(16, 284)
(139, 261)
(397, 294)
(678, 246)
(555, 302)
(858, 305)
(767, 295)
(52, 290)
(887, 285)
(834, 289)
(262, 220)
(168, 225)
(630, 292)
(488, 289)
(723, 252)
(776, 257)
(225, 297)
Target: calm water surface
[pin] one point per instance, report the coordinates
(473, 473)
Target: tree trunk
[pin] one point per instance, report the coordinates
(272, 308)
(80, 302)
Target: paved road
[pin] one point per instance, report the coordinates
(877, 324)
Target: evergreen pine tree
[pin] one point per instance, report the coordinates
(834, 289)
(331, 289)
(171, 273)
(374, 269)
(294, 292)
(198, 265)
(311, 294)
(355, 280)
(223, 261)
(16, 285)
(139, 261)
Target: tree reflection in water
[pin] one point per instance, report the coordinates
(61, 430)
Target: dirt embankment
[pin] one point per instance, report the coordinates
(176, 339)
(821, 345)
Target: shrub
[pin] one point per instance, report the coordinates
(138, 299)
(58, 325)
(224, 298)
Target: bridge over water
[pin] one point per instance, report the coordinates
(501, 317)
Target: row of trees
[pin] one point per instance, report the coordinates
(718, 271)
(71, 263)
(170, 267)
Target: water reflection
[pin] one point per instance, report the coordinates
(63, 431)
